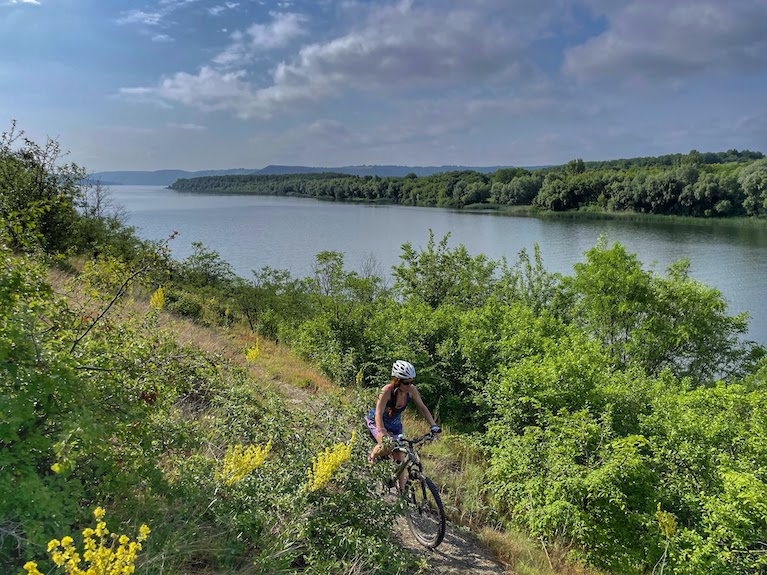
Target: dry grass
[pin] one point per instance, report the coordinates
(276, 367)
(278, 361)
(523, 556)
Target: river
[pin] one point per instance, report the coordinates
(251, 232)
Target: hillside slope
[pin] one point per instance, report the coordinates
(306, 392)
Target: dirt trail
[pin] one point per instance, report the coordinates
(459, 553)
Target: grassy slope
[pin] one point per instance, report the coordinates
(456, 467)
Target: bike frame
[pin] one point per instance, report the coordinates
(407, 446)
(423, 502)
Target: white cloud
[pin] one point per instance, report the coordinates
(216, 10)
(651, 41)
(397, 47)
(208, 90)
(34, 2)
(155, 17)
(140, 17)
(174, 4)
(161, 38)
(283, 28)
(186, 127)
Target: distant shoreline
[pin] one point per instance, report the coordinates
(589, 213)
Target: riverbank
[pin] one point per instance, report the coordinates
(590, 213)
(593, 214)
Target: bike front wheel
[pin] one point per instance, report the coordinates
(425, 514)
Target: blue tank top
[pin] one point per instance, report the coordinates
(392, 415)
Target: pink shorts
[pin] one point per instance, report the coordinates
(374, 430)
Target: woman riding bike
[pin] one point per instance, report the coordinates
(385, 419)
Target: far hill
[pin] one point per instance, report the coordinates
(167, 177)
(158, 177)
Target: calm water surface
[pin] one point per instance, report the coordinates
(251, 232)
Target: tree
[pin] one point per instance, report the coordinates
(575, 166)
(611, 294)
(506, 175)
(687, 329)
(440, 275)
(205, 267)
(674, 323)
(37, 192)
(753, 179)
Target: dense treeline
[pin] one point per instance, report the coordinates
(697, 184)
(620, 412)
(674, 159)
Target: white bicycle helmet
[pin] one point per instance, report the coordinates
(402, 370)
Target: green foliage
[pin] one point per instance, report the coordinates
(45, 204)
(439, 275)
(37, 196)
(40, 397)
(520, 190)
(186, 304)
(343, 303)
(571, 479)
(273, 303)
(753, 180)
(528, 282)
(674, 323)
(713, 439)
(568, 380)
(106, 407)
(204, 267)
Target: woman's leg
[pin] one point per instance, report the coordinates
(399, 457)
(378, 450)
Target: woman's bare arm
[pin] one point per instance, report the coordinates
(383, 399)
(421, 405)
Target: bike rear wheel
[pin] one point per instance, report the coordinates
(425, 514)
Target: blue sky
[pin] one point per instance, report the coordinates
(197, 84)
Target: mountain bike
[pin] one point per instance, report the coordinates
(425, 514)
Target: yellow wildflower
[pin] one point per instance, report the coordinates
(240, 461)
(112, 554)
(31, 568)
(101, 529)
(157, 299)
(144, 532)
(326, 463)
(251, 354)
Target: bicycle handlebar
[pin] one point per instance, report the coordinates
(426, 436)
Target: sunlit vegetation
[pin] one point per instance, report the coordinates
(724, 184)
(616, 416)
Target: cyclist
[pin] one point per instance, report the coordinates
(384, 420)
